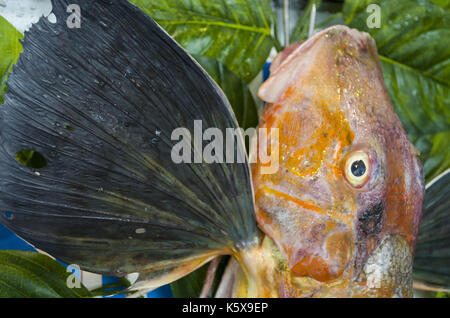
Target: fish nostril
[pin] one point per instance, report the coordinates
(371, 221)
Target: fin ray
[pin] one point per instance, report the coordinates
(100, 105)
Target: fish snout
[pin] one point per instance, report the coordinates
(328, 262)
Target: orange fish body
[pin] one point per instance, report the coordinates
(342, 212)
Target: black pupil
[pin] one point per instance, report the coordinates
(359, 168)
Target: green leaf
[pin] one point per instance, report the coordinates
(235, 32)
(301, 30)
(3, 79)
(235, 89)
(414, 47)
(10, 48)
(33, 275)
(439, 159)
(191, 285)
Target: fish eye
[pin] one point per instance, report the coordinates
(357, 169)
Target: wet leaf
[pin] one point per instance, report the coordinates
(10, 49)
(33, 275)
(235, 32)
(301, 30)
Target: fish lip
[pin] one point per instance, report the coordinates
(264, 90)
(312, 40)
(273, 95)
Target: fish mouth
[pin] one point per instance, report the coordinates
(386, 273)
(316, 244)
(298, 57)
(327, 250)
(327, 261)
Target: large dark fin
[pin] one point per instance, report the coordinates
(99, 103)
(432, 261)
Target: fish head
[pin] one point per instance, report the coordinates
(345, 204)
